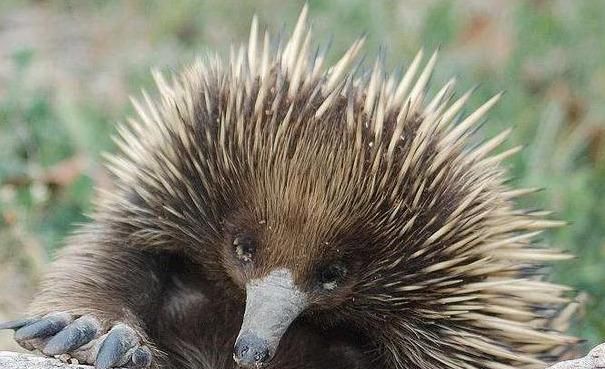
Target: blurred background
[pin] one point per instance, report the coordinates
(67, 69)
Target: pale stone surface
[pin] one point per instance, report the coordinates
(12, 360)
(594, 360)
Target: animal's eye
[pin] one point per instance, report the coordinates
(244, 248)
(331, 275)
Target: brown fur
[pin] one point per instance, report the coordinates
(316, 166)
(191, 322)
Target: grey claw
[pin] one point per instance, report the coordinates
(16, 324)
(78, 333)
(45, 327)
(118, 342)
(141, 357)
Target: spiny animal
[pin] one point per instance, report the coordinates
(350, 202)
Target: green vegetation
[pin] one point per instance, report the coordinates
(66, 69)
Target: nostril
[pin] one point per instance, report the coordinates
(261, 356)
(250, 351)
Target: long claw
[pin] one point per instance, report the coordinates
(118, 342)
(78, 333)
(16, 324)
(141, 357)
(45, 327)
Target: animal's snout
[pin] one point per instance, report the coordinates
(251, 351)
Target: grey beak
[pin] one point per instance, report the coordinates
(272, 304)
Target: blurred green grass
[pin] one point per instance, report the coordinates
(67, 67)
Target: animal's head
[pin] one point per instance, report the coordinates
(347, 198)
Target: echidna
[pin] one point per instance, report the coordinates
(347, 201)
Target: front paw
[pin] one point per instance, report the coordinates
(82, 338)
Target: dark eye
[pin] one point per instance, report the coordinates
(331, 275)
(244, 248)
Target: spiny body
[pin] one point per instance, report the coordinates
(345, 199)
